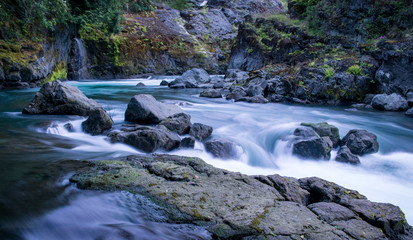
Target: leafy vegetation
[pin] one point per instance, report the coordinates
(27, 19)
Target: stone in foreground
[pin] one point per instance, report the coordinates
(145, 109)
(60, 98)
(236, 206)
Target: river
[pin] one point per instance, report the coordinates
(39, 203)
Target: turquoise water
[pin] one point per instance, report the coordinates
(38, 204)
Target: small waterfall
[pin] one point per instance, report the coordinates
(77, 66)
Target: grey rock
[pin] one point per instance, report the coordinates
(361, 142)
(313, 148)
(145, 109)
(222, 148)
(392, 102)
(210, 93)
(382, 215)
(97, 122)
(190, 79)
(409, 97)
(188, 142)
(359, 229)
(140, 84)
(236, 93)
(164, 83)
(288, 187)
(325, 130)
(409, 112)
(147, 139)
(179, 123)
(324, 191)
(200, 131)
(218, 85)
(255, 99)
(331, 212)
(180, 83)
(236, 75)
(344, 155)
(256, 87)
(305, 132)
(236, 206)
(60, 98)
(69, 127)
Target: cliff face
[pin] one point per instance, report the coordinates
(331, 64)
(168, 41)
(27, 64)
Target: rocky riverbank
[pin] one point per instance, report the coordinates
(236, 206)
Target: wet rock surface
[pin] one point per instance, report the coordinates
(361, 142)
(97, 122)
(236, 206)
(60, 98)
(146, 109)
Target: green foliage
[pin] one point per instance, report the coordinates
(355, 70)
(179, 4)
(59, 73)
(329, 72)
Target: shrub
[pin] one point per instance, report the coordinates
(355, 70)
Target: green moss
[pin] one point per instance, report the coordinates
(328, 72)
(355, 70)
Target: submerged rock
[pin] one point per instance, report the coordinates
(188, 142)
(179, 123)
(222, 148)
(60, 98)
(200, 131)
(325, 130)
(361, 142)
(313, 148)
(147, 139)
(163, 83)
(140, 84)
(409, 112)
(236, 206)
(344, 155)
(98, 122)
(145, 109)
(210, 93)
(255, 99)
(392, 102)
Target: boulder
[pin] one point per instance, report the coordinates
(145, 109)
(222, 148)
(256, 87)
(210, 93)
(344, 155)
(325, 130)
(313, 148)
(236, 93)
(361, 142)
(190, 79)
(305, 132)
(409, 97)
(179, 83)
(392, 102)
(69, 127)
(188, 142)
(236, 76)
(179, 123)
(409, 112)
(236, 206)
(164, 83)
(200, 131)
(98, 122)
(140, 84)
(60, 98)
(147, 139)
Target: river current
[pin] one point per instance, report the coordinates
(39, 203)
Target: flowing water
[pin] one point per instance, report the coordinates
(38, 202)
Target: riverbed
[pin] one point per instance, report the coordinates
(38, 204)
